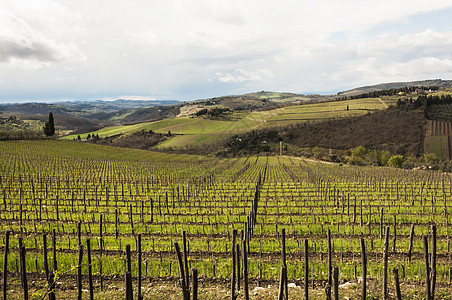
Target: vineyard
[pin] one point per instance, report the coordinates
(72, 211)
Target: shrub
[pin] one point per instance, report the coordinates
(360, 152)
(396, 161)
(431, 159)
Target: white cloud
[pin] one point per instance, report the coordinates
(31, 34)
(397, 58)
(192, 49)
(242, 75)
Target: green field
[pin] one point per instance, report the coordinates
(437, 145)
(189, 131)
(56, 185)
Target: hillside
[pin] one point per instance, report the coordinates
(192, 131)
(397, 131)
(207, 125)
(437, 83)
(77, 117)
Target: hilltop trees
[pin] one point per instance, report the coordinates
(49, 127)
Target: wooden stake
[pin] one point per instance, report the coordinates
(281, 283)
(90, 270)
(185, 253)
(245, 270)
(395, 273)
(427, 270)
(410, 248)
(140, 296)
(129, 289)
(336, 282)
(55, 265)
(23, 272)
(233, 279)
(385, 264)
(364, 269)
(79, 272)
(5, 263)
(330, 266)
(306, 269)
(195, 283)
(433, 262)
(185, 292)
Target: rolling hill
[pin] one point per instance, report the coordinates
(436, 83)
(192, 131)
(208, 124)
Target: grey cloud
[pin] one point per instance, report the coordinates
(32, 51)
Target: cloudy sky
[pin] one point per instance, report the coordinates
(192, 49)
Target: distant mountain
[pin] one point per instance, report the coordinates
(82, 116)
(116, 105)
(438, 83)
(36, 109)
(82, 108)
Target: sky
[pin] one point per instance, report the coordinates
(193, 49)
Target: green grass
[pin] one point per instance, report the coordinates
(437, 145)
(270, 95)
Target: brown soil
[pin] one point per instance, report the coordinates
(168, 288)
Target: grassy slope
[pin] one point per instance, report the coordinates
(195, 131)
(71, 149)
(435, 144)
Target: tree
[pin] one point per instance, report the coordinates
(49, 127)
(396, 161)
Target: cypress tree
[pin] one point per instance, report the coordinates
(49, 127)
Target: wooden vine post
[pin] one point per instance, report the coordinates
(185, 292)
(281, 283)
(245, 270)
(306, 269)
(44, 254)
(79, 272)
(385, 264)
(23, 272)
(330, 265)
(5, 265)
(336, 282)
(284, 263)
(234, 268)
(55, 265)
(195, 283)
(364, 269)
(395, 273)
(433, 263)
(410, 248)
(128, 275)
(90, 270)
(185, 253)
(140, 296)
(427, 269)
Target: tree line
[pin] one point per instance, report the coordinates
(388, 92)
